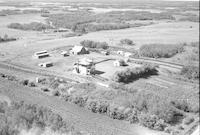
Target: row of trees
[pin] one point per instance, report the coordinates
(160, 50)
(93, 44)
(35, 26)
(90, 27)
(130, 75)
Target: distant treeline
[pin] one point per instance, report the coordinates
(18, 11)
(87, 22)
(35, 26)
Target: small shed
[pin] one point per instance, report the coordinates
(46, 64)
(64, 53)
(105, 52)
(77, 50)
(41, 54)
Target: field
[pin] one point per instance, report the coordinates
(97, 103)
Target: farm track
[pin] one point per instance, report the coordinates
(18, 68)
(159, 62)
(82, 119)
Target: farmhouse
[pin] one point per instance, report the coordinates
(77, 50)
(84, 67)
(41, 54)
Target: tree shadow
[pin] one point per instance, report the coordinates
(97, 72)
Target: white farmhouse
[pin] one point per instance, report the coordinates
(84, 67)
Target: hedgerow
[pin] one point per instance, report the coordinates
(93, 44)
(35, 26)
(130, 75)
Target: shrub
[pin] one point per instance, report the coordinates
(31, 84)
(160, 50)
(93, 44)
(152, 122)
(129, 75)
(126, 41)
(55, 93)
(24, 82)
(188, 120)
(190, 72)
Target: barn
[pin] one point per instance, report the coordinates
(77, 50)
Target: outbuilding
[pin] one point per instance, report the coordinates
(41, 54)
(77, 50)
(46, 64)
(64, 53)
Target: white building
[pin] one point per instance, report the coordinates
(77, 50)
(46, 64)
(84, 67)
(41, 54)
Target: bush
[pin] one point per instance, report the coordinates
(55, 93)
(188, 120)
(130, 75)
(24, 82)
(126, 41)
(152, 122)
(190, 72)
(93, 44)
(160, 50)
(31, 84)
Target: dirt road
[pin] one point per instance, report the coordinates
(84, 120)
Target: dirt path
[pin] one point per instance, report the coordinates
(82, 119)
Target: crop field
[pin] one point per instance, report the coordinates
(156, 92)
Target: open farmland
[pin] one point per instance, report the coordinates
(107, 68)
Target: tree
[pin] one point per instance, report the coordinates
(126, 41)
